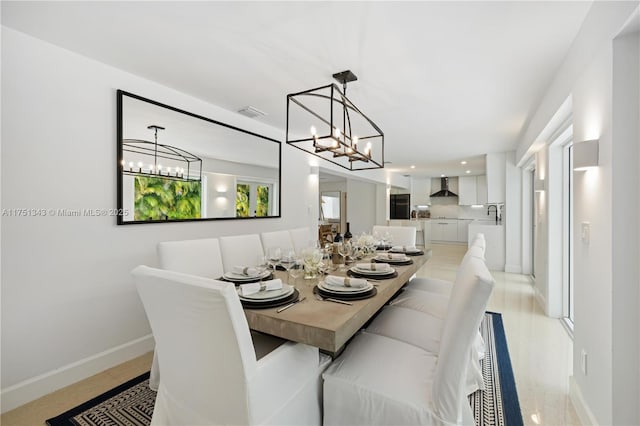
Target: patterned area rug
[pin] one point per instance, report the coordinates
(131, 404)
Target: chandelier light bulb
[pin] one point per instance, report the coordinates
(367, 149)
(336, 133)
(122, 163)
(313, 131)
(140, 164)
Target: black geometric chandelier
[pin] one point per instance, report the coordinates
(325, 123)
(152, 159)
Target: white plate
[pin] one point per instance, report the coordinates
(369, 272)
(342, 290)
(231, 276)
(269, 295)
(406, 251)
(387, 260)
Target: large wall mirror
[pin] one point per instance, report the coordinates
(174, 165)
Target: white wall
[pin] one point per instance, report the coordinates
(67, 295)
(361, 203)
(626, 226)
(587, 76)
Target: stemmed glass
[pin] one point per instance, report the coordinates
(262, 264)
(344, 250)
(296, 270)
(287, 261)
(274, 254)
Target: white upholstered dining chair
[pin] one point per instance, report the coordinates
(240, 250)
(301, 238)
(210, 373)
(360, 387)
(200, 257)
(400, 235)
(280, 239)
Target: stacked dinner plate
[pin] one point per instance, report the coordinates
(342, 292)
(409, 251)
(379, 273)
(244, 279)
(393, 258)
(269, 298)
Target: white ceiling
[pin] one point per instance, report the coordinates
(445, 81)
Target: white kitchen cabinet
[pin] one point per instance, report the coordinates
(481, 189)
(420, 191)
(444, 230)
(467, 190)
(472, 190)
(463, 230)
(428, 234)
(496, 169)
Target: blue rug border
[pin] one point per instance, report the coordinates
(64, 419)
(510, 401)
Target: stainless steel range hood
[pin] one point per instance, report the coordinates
(444, 189)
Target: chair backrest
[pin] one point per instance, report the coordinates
(240, 250)
(400, 235)
(468, 301)
(204, 346)
(280, 239)
(200, 257)
(479, 241)
(301, 238)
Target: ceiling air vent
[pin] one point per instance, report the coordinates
(251, 112)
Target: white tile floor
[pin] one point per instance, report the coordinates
(539, 346)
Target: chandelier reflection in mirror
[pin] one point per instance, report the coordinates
(151, 159)
(325, 123)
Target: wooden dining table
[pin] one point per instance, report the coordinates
(324, 324)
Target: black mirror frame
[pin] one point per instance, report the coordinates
(119, 136)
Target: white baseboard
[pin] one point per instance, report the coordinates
(513, 269)
(582, 409)
(540, 299)
(35, 387)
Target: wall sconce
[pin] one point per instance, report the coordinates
(585, 155)
(539, 185)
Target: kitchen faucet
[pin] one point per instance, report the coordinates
(489, 211)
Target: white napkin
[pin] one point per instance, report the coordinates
(245, 270)
(392, 256)
(335, 281)
(247, 289)
(374, 266)
(403, 248)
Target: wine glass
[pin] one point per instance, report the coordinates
(262, 264)
(344, 250)
(274, 254)
(295, 270)
(287, 261)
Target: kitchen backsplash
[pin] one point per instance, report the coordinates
(448, 207)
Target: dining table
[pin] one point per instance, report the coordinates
(324, 324)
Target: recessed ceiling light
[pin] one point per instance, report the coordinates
(413, 167)
(463, 162)
(251, 112)
(468, 171)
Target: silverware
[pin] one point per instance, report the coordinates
(290, 305)
(329, 299)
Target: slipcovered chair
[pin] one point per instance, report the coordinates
(281, 239)
(200, 257)
(210, 374)
(301, 238)
(240, 250)
(361, 388)
(400, 235)
(418, 318)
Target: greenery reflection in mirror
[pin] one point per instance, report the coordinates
(174, 165)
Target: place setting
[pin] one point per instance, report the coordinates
(267, 294)
(407, 250)
(247, 274)
(399, 259)
(374, 270)
(344, 289)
